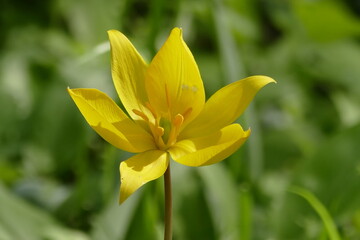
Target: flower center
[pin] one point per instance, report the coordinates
(165, 128)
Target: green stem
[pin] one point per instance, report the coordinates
(168, 205)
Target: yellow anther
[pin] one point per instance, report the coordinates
(176, 124)
(141, 114)
(178, 120)
(159, 131)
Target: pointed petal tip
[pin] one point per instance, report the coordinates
(257, 81)
(264, 79)
(141, 169)
(114, 34)
(111, 31)
(247, 132)
(209, 149)
(69, 90)
(122, 199)
(271, 80)
(72, 91)
(177, 31)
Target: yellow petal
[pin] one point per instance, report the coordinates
(173, 80)
(225, 106)
(140, 169)
(209, 149)
(128, 72)
(110, 122)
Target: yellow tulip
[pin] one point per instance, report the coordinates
(167, 116)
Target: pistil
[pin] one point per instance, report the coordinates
(164, 129)
(175, 129)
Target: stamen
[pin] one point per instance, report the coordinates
(141, 114)
(178, 120)
(159, 131)
(187, 113)
(152, 110)
(167, 95)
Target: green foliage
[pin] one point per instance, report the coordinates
(59, 180)
(320, 209)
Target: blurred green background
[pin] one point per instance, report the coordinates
(59, 180)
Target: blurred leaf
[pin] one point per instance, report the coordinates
(320, 209)
(146, 215)
(114, 221)
(19, 220)
(322, 62)
(334, 169)
(192, 213)
(86, 19)
(332, 174)
(246, 212)
(348, 108)
(222, 196)
(230, 58)
(234, 69)
(326, 20)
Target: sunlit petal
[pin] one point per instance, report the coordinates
(209, 149)
(110, 122)
(128, 73)
(140, 169)
(225, 106)
(173, 81)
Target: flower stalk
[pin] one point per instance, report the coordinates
(168, 205)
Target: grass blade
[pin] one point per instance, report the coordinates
(320, 209)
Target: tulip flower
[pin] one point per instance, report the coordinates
(166, 116)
